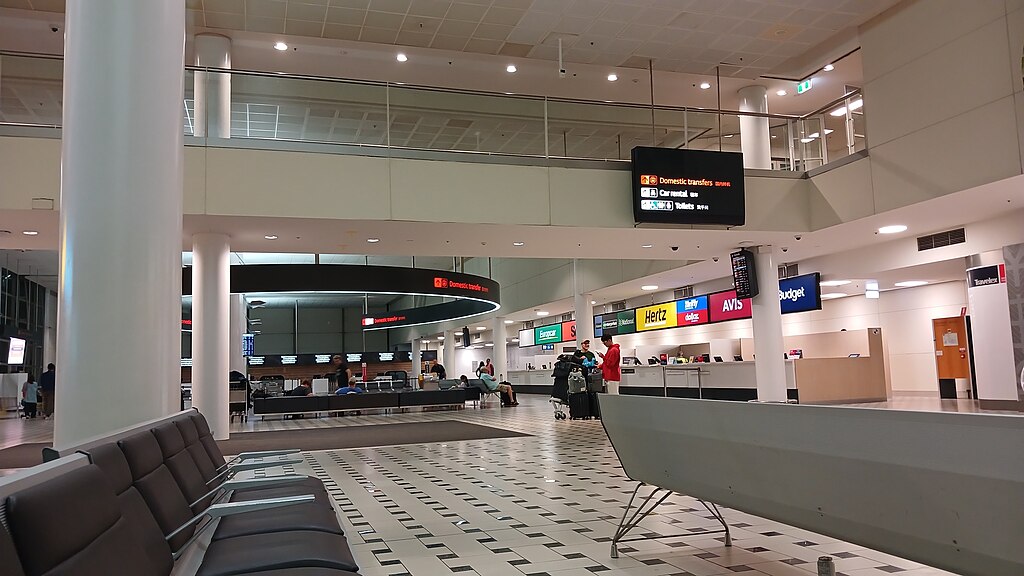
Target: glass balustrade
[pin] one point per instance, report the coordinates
(285, 108)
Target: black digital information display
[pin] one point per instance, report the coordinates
(680, 186)
(744, 276)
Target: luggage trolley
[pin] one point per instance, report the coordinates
(560, 390)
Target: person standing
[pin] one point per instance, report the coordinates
(480, 370)
(437, 368)
(48, 386)
(489, 367)
(30, 395)
(342, 374)
(610, 370)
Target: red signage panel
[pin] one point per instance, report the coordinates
(726, 306)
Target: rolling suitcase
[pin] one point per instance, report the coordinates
(595, 407)
(579, 406)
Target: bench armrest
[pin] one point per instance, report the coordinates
(232, 508)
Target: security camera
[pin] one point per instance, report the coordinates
(54, 29)
(674, 248)
(798, 237)
(785, 249)
(561, 73)
(715, 258)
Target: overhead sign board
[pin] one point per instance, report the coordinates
(692, 311)
(548, 334)
(684, 186)
(656, 317)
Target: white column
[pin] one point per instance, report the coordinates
(417, 363)
(118, 321)
(211, 314)
(449, 354)
(755, 140)
(50, 329)
(500, 354)
(769, 356)
(239, 326)
(583, 310)
(212, 89)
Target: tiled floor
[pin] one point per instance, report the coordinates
(546, 504)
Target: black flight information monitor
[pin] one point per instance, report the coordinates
(680, 186)
(744, 276)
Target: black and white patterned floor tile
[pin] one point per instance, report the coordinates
(541, 505)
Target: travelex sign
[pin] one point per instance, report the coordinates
(797, 294)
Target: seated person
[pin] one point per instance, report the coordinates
(305, 388)
(349, 388)
(463, 381)
(504, 389)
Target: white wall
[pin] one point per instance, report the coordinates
(903, 315)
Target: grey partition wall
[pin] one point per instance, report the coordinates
(944, 489)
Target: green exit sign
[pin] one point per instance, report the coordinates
(803, 86)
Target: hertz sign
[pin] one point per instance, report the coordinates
(656, 317)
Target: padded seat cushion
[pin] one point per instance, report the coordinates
(157, 486)
(182, 466)
(299, 488)
(283, 550)
(312, 516)
(12, 566)
(72, 525)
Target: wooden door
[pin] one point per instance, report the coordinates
(951, 348)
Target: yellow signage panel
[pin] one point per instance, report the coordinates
(656, 317)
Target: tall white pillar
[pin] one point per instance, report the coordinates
(239, 326)
(583, 310)
(500, 359)
(212, 90)
(769, 354)
(449, 354)
(417, 360)
(211, 314)
(755, 139)
(119, 316)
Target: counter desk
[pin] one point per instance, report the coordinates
(811, 380)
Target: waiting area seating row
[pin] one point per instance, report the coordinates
(364, 401)
(162, 498)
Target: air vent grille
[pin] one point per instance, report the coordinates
(684, 292)
(618, 306)
(567, 317)
(940, 239)
(788, 271)
(528, 324)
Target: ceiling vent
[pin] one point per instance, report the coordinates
(788, 271)
(618, 306)
(940, 239)
(528, 324)
(567, 317)
(684, 292)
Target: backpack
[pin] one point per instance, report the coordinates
(577, 381)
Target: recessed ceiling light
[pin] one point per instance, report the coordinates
(30, 233)
(910, 283)
(510, 321)
(518, 243)
(705, 85)
(827, 131)
(426, 342)
(613, 77)
(871, 294)
(481, 328)
(856, 104)
(511, 69)
(894, 229)
(440, 337)
(542, 312)
(828, 68)
(270, 237)
(774, 136)
(647, 246)
(813, 135)
(781, 93)
(871, 285)
(593, 302)
(515, 339)
(832, 295)
(648, 287)
(373, 240)
(280, 46)
(728, 135)
(401, 57)
(490, 344)
(806, 140)
(833, 283)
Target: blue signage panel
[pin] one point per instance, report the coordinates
(800, 293)
(248, 344)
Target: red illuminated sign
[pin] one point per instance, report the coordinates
(568, 331)
(440, 282)
(371, 321)
(726, 306)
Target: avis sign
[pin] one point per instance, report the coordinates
(726, 306)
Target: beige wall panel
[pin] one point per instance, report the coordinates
(966, 151)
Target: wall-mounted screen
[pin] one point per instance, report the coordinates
(744, 275)
(680, 186)
(16, 352)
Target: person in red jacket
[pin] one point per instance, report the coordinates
(610, 370)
